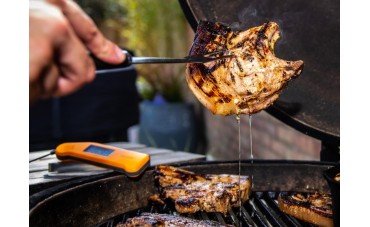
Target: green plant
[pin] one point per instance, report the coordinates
(103, 11)
(156, 28)
(148, 28)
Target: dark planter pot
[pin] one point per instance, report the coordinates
(169, 125)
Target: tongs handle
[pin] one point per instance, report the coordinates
(100, 65)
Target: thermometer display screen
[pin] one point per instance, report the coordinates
(99, 150)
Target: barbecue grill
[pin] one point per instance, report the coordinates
(114, 198)
(310, 32)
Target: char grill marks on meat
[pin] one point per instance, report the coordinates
(315, 208)
(192, 192)
(164, 220)
(249, 81)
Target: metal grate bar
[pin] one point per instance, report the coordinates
(167, 209)
(272, 214)
(110, 224)
(260, 210)
(247, 218)
(204, 216)
(220, 218)
(123, 218)
(198, 216)
(258, 214)
(191, 216)
(235, 220)
(267, 211)
(151, 209)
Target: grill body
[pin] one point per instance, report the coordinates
(98, 201)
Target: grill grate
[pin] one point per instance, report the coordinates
(260, 210)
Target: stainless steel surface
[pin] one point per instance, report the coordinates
(47, 171)
(188, 59)
(102, 67)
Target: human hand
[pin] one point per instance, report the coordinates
(60, 35)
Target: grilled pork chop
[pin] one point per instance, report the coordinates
(315, 208)
(246, 83)
(163, 220)
(194, 192)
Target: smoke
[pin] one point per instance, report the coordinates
(248, 12)
(257, 12)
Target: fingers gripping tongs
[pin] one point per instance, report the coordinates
(102, 67)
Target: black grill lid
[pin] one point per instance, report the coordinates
(310, 32)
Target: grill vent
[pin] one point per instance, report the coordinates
(261, 210)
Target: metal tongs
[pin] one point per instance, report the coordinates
(102, 67)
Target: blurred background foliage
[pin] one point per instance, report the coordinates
(103, 11)
(148, 28)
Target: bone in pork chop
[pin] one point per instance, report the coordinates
(246, 83)
(166, 220)
(192, 192)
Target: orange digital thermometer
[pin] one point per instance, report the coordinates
(131, 163)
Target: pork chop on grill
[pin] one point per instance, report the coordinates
(246, 83)
(315, 208)
(192, 192)
(164, 220)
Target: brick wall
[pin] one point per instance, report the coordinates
(271, 139)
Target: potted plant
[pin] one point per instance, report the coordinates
(157, 29)
(166, 121)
